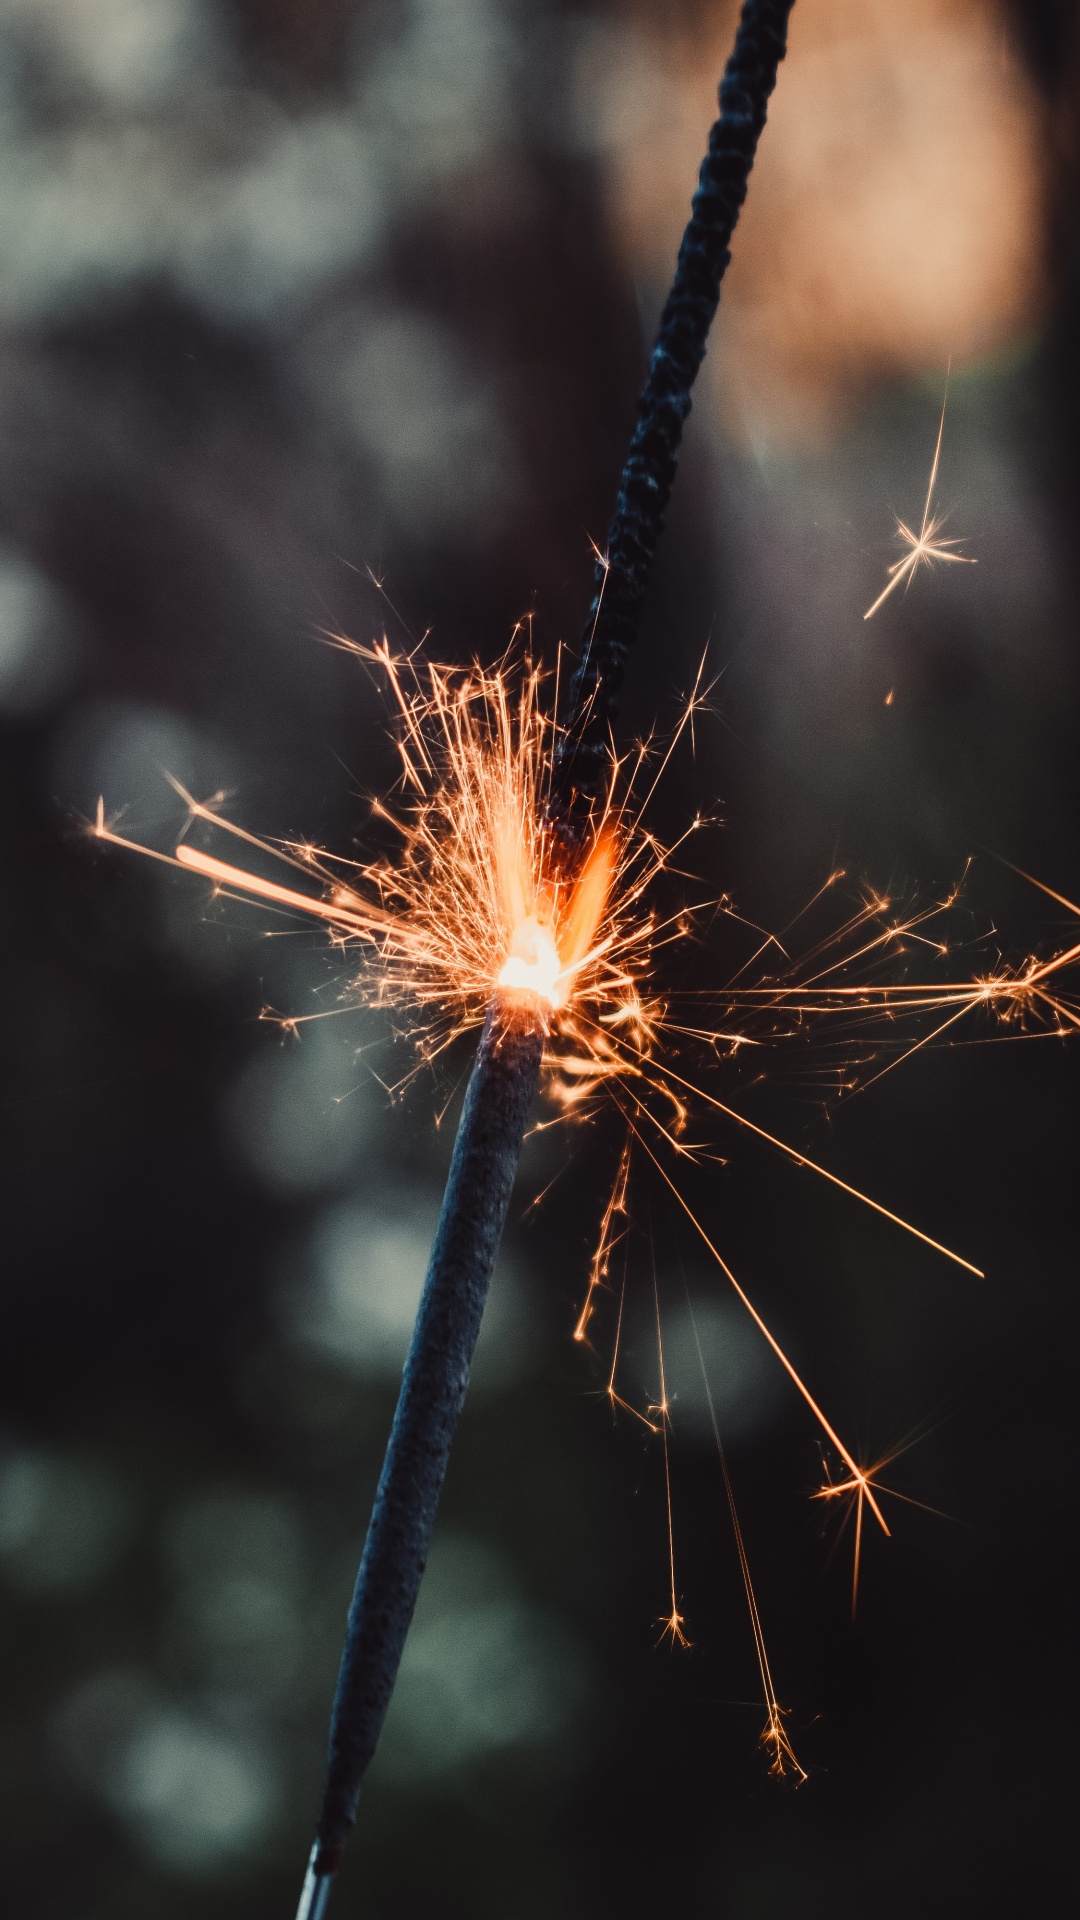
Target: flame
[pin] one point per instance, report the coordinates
(532, 964)
(548, 948)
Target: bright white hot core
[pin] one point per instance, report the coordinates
(533, 962)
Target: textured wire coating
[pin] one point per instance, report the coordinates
(646, 481)
(486, 1150)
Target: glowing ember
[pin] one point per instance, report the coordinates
(533, 963)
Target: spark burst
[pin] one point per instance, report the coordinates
(479, 894)
(482, 898)
(925, 547)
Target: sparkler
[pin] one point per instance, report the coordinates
(503, 887)
(927, 546)
(522, 902)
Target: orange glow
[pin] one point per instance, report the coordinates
(587, 904)
(533, 965)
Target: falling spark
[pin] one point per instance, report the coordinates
(606, 1242)
(926, 546)
(854, 1491)
(616, 1399)
(672, 1627)
(774, 1737)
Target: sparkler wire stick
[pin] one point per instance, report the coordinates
(505, 1076)
(497, 1102)
(622, 573)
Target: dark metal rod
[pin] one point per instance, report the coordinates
(482, 1170)
(622, 576)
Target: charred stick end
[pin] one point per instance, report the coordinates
(488, 1144)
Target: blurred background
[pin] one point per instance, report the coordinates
(297, 295)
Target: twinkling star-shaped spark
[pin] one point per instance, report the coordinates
(924, 545)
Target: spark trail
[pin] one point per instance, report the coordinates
(774, 1736)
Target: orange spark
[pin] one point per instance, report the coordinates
(673, 1625)
(616, 1399)
(926, 546)
(755, 1316)
(343, 906)
(606, 1242)
(855, 1491)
